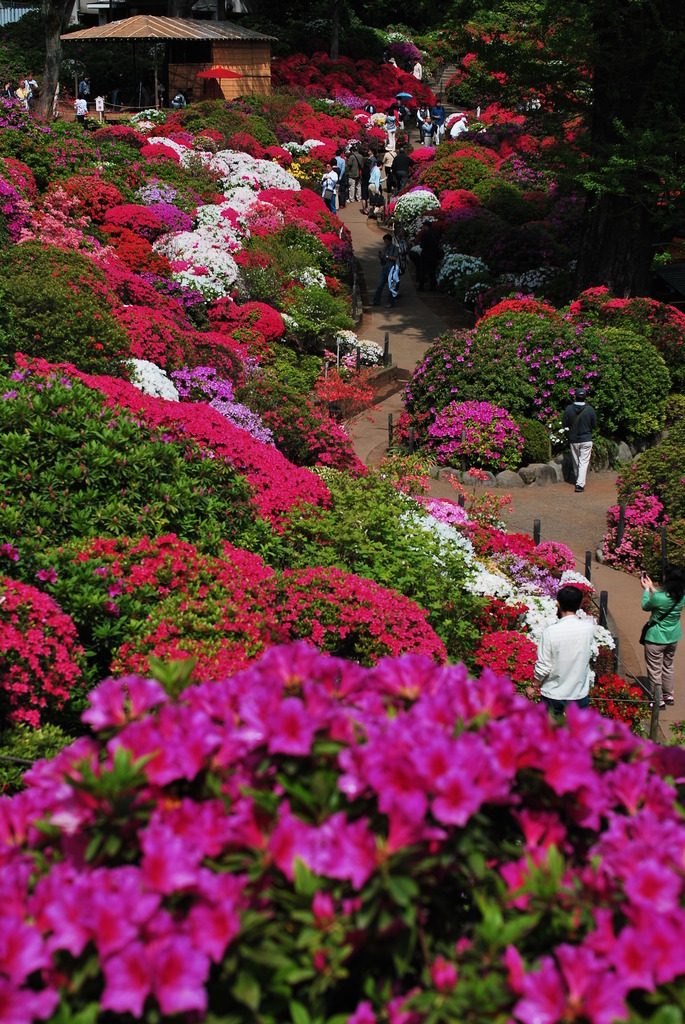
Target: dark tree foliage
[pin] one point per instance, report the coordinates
(618, 65)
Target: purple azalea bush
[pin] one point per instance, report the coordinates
(259, 847)
(485, 435)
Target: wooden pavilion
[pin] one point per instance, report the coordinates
(194, 46)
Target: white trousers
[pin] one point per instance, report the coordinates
(580, 453)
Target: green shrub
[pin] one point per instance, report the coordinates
(373, 530)
(21, 745)
(503, 199)
(536, 446)
(660, 471)
(675, 409)
(53, 305)
(76, 467)
(644, 383)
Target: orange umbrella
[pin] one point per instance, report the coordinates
(219, 72)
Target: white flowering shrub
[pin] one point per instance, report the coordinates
(410, 207)
(152, 380)
(240, 170)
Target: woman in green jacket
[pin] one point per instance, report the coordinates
(663, 629)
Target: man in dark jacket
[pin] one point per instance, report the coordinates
(580, 419)
(401, 166)
(431, 253)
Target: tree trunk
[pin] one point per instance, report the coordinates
(616, 248)
(335, 28)
(55, 16)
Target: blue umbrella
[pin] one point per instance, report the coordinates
(403, 96)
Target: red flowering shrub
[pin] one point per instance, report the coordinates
(664, 325)
(164, 598)
(244, 143)
(136, 252)
(120, 133)
(154, 335)
(280, 155)
(458, 167)
(522, 304)
(279, 486)
(40, 656)
(353, 618)
(95, 196)
(457, 198)
(254, 324)
(139, 219)
(20, 175)
(615, 698)
(158, 151)
(507, 653)
(497, 616)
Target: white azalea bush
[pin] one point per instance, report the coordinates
(152, 380)
(414, 205)
(463, 276)
(200, 260)
(236, 170)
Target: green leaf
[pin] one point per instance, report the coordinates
(247, 991)
(299, 1013)
(306, 882)
(667, 1015)
(402, 889)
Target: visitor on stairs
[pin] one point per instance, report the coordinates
(562, 668)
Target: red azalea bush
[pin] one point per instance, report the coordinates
(20, 175)
(353, 618)
(158, 151)
(244, 143)
(457, 198)
(40, 655)
(497, 616)
(522, 304)
(664, 325)
(458, 167)
(615, 698)
(218, 611)
(273, 840)
(120, 133)
(154, 335)
(139, 219)
(136, 252)
(507, 652)
(279, 486)
(132, 599)
(95, 196)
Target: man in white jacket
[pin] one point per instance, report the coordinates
(562, 668)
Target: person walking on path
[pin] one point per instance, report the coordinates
(580, 419)
(388, 257)
(429, 257)
(353, 166)
(341, 164)
(329, 184)
(438, 116)
(563, 663)
(401, 165)
(418, 70)
(663, 630)
(84, 88)
(81, 108)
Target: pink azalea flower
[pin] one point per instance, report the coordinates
(362, 1015)
(128, 980)
(544, 998)
(180, 975)
(291, 728)
(652, 885)
(22, 1005)
(444, 975)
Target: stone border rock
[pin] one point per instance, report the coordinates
(540, 473)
